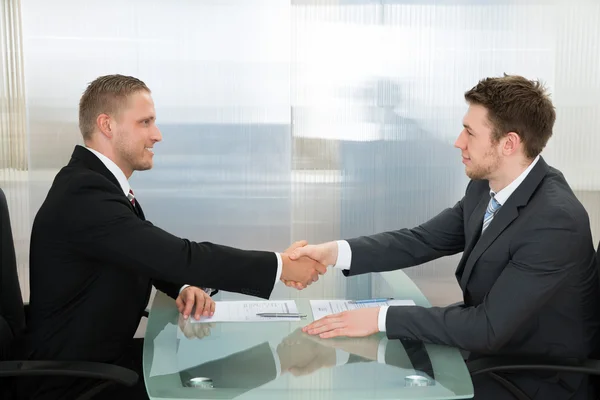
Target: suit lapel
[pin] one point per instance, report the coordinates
(139, 210)
(474, 226)
(503, 218)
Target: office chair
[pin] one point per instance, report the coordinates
(492, 365)
(12, 327)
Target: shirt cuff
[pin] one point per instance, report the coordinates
(341, 357)
(279, 267)
(183, 287)
(381, 350)
(382, 317)
(344, 258)
(206, 290)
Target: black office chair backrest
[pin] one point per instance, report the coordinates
(12, 315)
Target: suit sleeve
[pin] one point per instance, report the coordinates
(548, 252)
(170, 289)
(440, 236)
(112, 233)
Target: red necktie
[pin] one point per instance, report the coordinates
(131, 197)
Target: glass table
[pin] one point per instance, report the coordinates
(275, 360)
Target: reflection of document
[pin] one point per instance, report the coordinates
(245, 311)
(321, 308)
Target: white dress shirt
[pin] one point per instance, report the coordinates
(344, 259)
(124, 183)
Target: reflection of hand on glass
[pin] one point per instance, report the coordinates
(194, 330)
(301, 355)
(365, 347)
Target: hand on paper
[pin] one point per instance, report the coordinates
(197, 300)
(353, 323)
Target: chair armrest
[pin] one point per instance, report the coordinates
(79, 369)
(498, 364)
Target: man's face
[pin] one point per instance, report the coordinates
(480, 155)
(136, 133)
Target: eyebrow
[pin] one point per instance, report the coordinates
(151, 118)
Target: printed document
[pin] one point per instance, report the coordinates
(322, 308)
(245, 311)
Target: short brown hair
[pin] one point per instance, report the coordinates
(516, 104)
(105, 95)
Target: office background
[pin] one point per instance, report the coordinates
(294, 119)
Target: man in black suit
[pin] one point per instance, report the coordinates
(528, 268)
(94, 256)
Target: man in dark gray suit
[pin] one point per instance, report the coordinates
(528, 270)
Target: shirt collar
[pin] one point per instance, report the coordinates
(505, 193)
(114, 169)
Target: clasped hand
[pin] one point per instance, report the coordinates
(318, 256)
(300, 271)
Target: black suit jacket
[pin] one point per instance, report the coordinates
(94, 258)
(530, 281)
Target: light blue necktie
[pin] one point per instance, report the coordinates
(492, 209)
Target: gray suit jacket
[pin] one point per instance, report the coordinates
(530, 281)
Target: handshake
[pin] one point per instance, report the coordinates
(303, 263)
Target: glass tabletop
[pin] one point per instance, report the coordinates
(276, 360)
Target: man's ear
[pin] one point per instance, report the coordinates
(512, 142)
(105, 125)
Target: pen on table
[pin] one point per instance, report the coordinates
(371, 300)
(281, 315)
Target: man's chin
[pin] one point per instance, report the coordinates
(143, 167)
(474, 175)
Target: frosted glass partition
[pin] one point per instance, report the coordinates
(285, 120)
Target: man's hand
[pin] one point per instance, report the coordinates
(354, 323)
(325, 254)
(302, 271)
(195, 298)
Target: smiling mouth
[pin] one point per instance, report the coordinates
(150, 150)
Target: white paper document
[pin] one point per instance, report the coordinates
(322, 308)
(245, 311)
